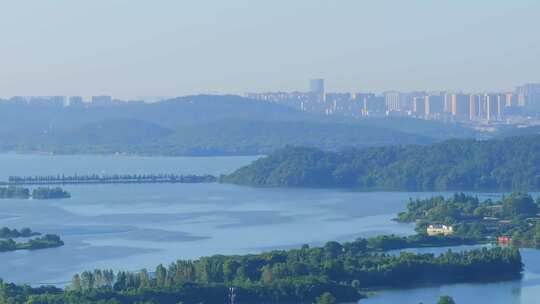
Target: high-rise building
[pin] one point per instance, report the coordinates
(373, 105)
(102, 100)
(75, 101)
(501, 105)
(433, 105)
(393, 101)
(316, 90)
(529, 96)
(493, 107)
(316, 86)
(419, 105)
(339, 103)
(475, 106)
(448, 102)
(511, 100)
(58, 100)
(459, 106)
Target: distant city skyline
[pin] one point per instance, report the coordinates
(521, 105)
(170, 48)
(314, 85)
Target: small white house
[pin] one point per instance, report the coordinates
(439, 229)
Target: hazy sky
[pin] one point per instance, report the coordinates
(131, 48)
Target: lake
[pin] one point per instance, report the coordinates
(134, 226)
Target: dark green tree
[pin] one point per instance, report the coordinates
(326, 298)
(520, 204)
(446, 300)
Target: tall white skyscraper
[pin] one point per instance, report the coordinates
(316, 86)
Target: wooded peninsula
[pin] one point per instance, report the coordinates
(513, 220)
(510, 164)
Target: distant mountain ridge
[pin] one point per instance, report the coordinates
(236, 137)
(200, 125)
(114, 131)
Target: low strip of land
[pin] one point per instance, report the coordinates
(108, 179)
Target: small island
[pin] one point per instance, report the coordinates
(41, 242)
(41, 193)
(50, 193)
(34, 240)
(46, 241)
(13, 192)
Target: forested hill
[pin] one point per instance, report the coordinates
(235, 137)
(200, 125)
(505, 164)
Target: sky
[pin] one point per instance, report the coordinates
(135, 48)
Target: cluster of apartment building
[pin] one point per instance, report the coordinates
(458, 106)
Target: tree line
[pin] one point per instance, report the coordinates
(339, 271)
(110, 178)
(6, 233)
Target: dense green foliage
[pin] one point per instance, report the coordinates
(508, 164)
(38, 193)
(8, 244)
(21, 294)
(43, 242)
(46, 241)
(462, 207)
(515, 216)
(6, 233)
(49, 193)
(14, 192)
(393, 242)
(329, 274)
(326, 298)
(446, 300)
(335, 272)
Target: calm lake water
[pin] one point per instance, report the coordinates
(129, 227)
